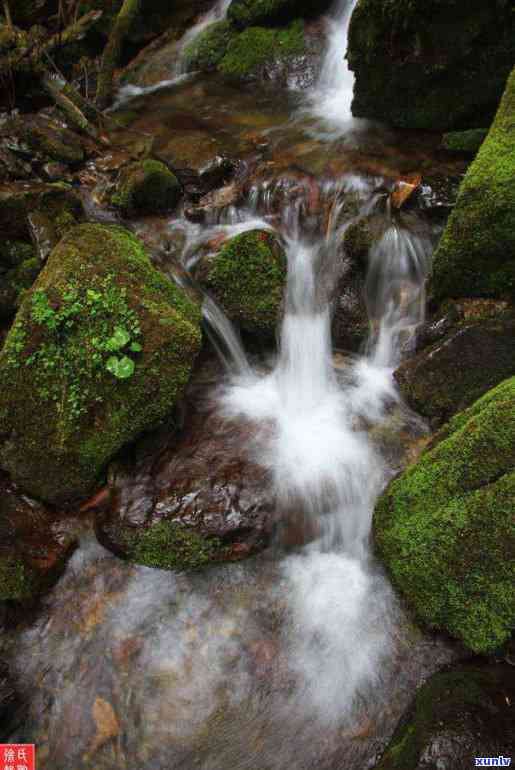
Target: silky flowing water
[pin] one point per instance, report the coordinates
(299, 658)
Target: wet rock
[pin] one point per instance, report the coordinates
(33, 545)
(437, 195)
(56, 172)
(210, 205)
(100, 350)
(444, 528)
(44, 139)
(147, 186)
(12, 167)
(350, 325)
(418, 69)
(43, 234)
(192, 503)
(449, 375)
(247, 277)
(476, 254)
(207, 50)
(458, 714)
(56, 201)
(218, 172)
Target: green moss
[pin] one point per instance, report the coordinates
(430, 64)
(208, 49)
(467, 142)
(147, 186)
(257, 46)
(470, 701)
(445, 527)
(476, 255)
(16, 582)
(59, 397)
(247, 13)
(247, 277)
(167, 545)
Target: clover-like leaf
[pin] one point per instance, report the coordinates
(122, 368)
(119, 339)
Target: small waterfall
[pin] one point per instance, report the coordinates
(330, 100)
(217, 13)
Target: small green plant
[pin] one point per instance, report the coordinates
(70, 358)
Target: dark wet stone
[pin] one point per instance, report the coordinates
(202, 486)
(457, 715)
(17, 199)
(450, 375)
(34, 544)
(56, 172)
(42, 138)
(43, 234)
(218, 172)
(437, 195)
(434, 330)
(12, 167)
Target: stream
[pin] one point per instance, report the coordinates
(302, 657)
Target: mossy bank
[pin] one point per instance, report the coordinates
(476, 255)
(445, 527)
(100, 350)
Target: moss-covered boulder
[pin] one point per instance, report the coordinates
(445, 528)
(433, 64)
(256, 48)
(147, 186)
(458, 714)
(100, 351)
(452, 373)
(19, 268)
(464, 142)
(266, 13)
(207, 50)
(476, 255)
(247, 277)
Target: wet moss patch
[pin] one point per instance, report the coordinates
(445, 527)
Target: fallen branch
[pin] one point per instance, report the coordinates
(7, 14)
(29, 58)
(112, 52)
(55, 88)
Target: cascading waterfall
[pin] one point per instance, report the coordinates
(330, 99)
(217, 13)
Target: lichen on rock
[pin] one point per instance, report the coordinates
(100, 350)
(445, 530)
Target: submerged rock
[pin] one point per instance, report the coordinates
(459, 367)
(438, 65)
(247, 277)
(458, 714)
(476, 255)
(193, 503)
(147, 186)
(100, 351)
(444, 528)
